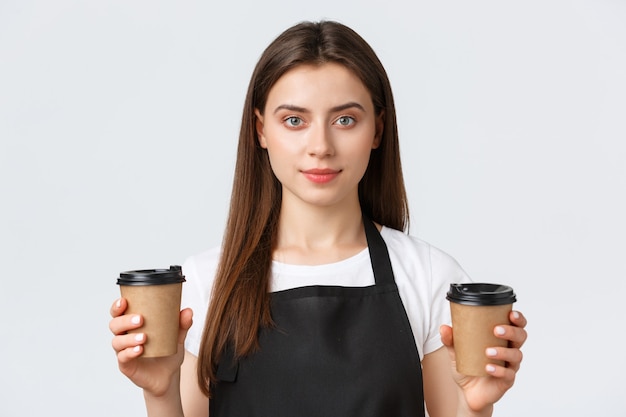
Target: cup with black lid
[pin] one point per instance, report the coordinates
(477, 308)
(155, 294)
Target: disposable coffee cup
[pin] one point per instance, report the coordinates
(476, 310)
(155, 294)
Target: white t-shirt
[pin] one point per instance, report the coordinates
(422, 272)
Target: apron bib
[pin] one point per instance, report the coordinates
(334, 352)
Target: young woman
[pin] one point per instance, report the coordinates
(317, 303)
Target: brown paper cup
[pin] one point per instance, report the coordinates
(472, 330)
(160, 307)
(476, 310)
(155, 294)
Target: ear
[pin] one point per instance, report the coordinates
(259, 129)
(380, 127)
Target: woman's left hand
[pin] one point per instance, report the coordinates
(482, 392)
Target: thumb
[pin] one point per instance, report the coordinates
(446, 335)
(186, 320)
(448, 341)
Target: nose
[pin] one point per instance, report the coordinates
(320, 141)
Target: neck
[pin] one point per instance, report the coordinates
(316, 235)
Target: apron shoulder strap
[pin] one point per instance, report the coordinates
(379, 255)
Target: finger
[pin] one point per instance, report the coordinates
(513, 357)
(186, 320)
(118, 307)
(127, 355)
(127, 341)
(506, 374)
(446, 338)
(515, 335)
(518, 319)
(122, 324)
(446, 335)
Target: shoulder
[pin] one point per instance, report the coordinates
(207, 259)
(418, 257)
(199, 271)
(423, 275)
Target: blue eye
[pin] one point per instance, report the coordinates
(345, 121)
(293, 121)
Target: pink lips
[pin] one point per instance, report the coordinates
(320, 176)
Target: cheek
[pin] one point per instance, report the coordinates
(357, 158)
(280, 155)
(365, 159)
(276, 166)
(278, 142)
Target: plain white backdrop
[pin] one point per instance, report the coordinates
(118, 127)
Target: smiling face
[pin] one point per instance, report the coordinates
(319, 127)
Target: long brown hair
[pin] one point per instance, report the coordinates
(240, 302)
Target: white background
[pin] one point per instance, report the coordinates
(118, 126)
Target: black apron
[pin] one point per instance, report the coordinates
(334, 352)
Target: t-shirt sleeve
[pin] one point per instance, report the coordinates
(445, 270)
(199, 271)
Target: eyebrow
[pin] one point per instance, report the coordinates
(291, 107)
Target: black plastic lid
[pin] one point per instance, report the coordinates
(481, 294)
(174, 275)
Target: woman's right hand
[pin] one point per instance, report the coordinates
(154, 375)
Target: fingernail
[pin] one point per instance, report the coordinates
(118, 303)
(136, 348)
(500, 330)
(135, 320)
(490, 368)
(139, 337)
(491, 352)
(515, 315)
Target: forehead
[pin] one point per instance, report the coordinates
(327, 84)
